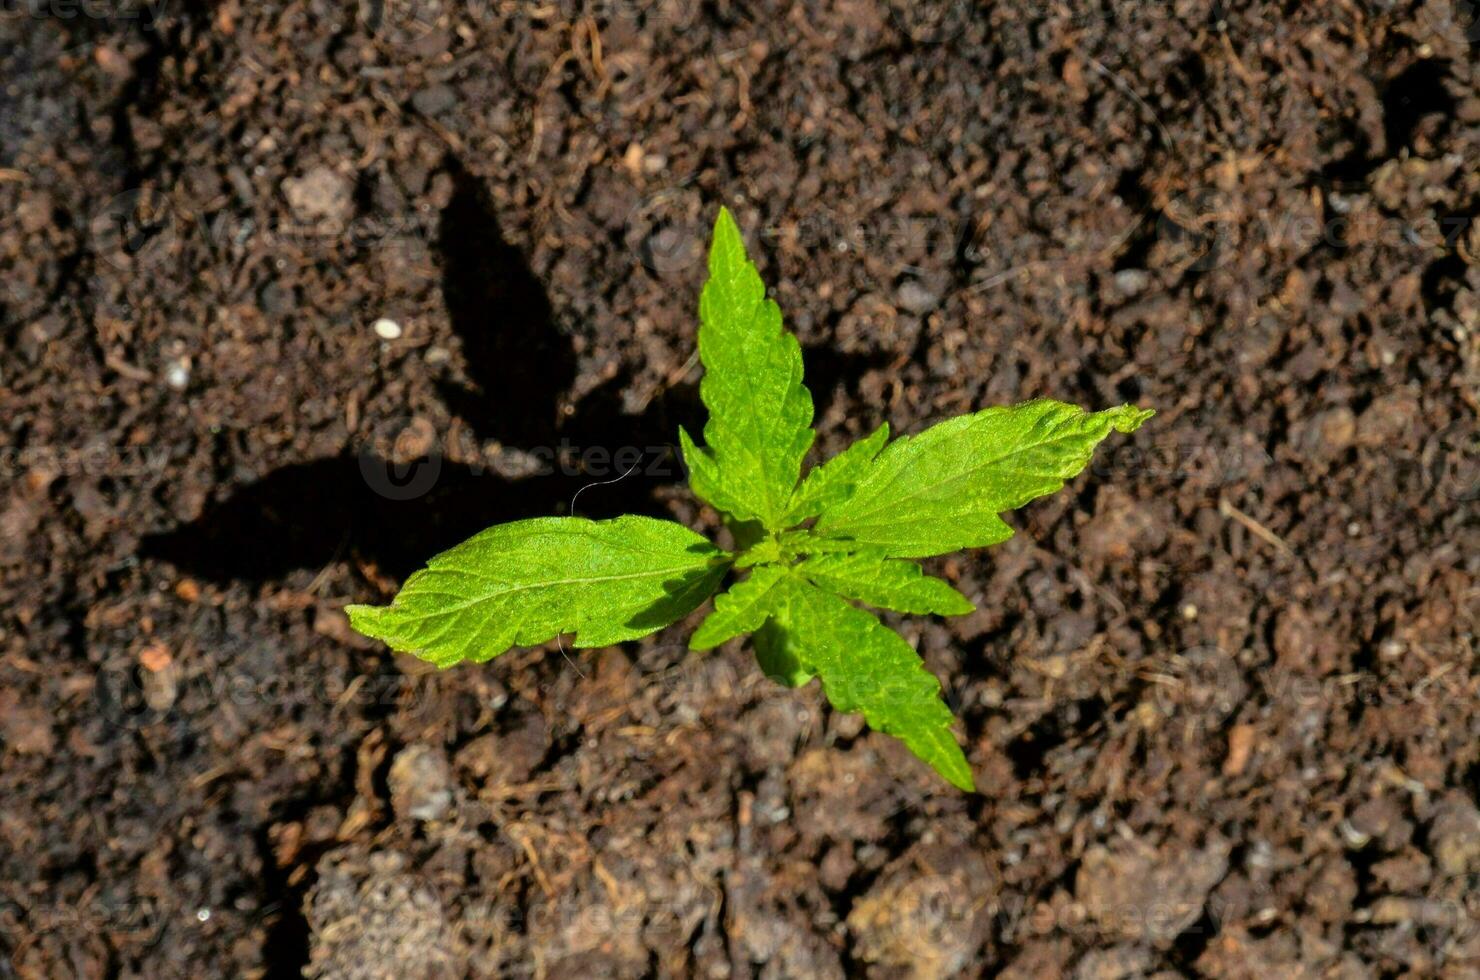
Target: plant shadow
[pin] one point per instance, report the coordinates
(393, 511)
(519, 363)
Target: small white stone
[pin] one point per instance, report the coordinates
(203, 915)
(177, 374)
(1355, 839)
(387, 329)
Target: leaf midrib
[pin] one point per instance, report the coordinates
(552, 583)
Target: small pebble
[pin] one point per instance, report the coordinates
(915, 298)
(421, 784)
(1131, 282)
(1240, 745)
(387, 329)
(1189, 612)
(155, 657)
(177, 375)
(434, 101)
(1355, 839)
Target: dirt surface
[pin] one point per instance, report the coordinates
(1220, 696)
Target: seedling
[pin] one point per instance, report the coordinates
(806, 549)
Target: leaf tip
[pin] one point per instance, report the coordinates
(727, 238)
(964, 781)
(365, 620)
(705, 638)
(954, 768)
(1131, 417)
(961, 608)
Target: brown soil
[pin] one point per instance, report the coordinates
(1221, 695)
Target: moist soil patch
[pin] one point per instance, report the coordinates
(1220, 695)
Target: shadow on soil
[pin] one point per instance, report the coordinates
(395, 513)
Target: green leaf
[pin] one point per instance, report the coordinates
(869, 668)
(706, 480)
(766, 551)
(782, 548)
(740, 610)
(526, 582)
(776, 652)
(807, 547)
(833, 482)
(886, 583)
(942, 490)
(760, 415)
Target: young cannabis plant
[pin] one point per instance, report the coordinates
(808, 548)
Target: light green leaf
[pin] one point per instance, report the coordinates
(740, 610)
(760, 415)
(942, 490)
(776, 653)
(524, 583)
(869, 668)
(886, 583)
(782, 548)
(833, 482)
(766, 551)
(706, 481)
